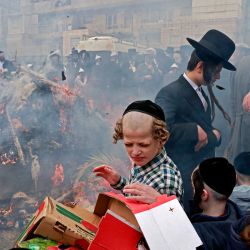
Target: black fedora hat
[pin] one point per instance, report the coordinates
(215, 46)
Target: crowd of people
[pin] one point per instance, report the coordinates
(167, 129)
(214, 192)
(110, 75)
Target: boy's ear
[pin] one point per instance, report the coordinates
(204, 195)
(162, 143)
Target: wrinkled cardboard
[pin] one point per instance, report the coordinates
(112, 217)
(118, 204)
(61, 223)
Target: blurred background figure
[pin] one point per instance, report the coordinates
(6, 66)
(241, 193)
(54, 66)
(240, 136)
(148, 75)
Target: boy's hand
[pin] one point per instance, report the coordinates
(141, 192)
(108, 173)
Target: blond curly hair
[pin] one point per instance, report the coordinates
(159, 131)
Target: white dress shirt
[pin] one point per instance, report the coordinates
(197, 90)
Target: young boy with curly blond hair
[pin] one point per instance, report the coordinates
(143, 130)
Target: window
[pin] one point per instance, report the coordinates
(128, 21)
(15, 24)
(14, 6)
(74, 41)
(47, 24)
(111, 21)
(61, 3)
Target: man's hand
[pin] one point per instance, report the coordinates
(217, 134)
(246, 102)
(202, 139)
(141, 192)
(108, 173)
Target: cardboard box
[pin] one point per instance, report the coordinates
(61, 223)
(163, 224)
(117, 223)
(78, 226)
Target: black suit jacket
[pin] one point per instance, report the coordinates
(183, 112)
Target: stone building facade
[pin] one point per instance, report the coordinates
(30, 29)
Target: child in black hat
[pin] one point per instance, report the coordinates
(143, 130)
(213, 182)
(241, 193)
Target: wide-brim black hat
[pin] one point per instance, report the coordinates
(215, 46)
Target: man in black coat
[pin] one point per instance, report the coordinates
(187, 108)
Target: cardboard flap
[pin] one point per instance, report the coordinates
(116, 203)
(116, 234)
(104, 199)
(32, 225)
(140, 207)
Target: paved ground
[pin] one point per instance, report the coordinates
(8, 238)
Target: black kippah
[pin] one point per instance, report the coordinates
(218, 174)
(242, 163)
(148, 107)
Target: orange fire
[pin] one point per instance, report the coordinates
(64, 122)
(6, 212)
(6, 159)
(58, 176)
(64, 94)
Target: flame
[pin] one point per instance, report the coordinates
(65, 97)
(58, 176)
(67, 91)
(64, 94)
(64, 122)
(7, 159)
(6, 212)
